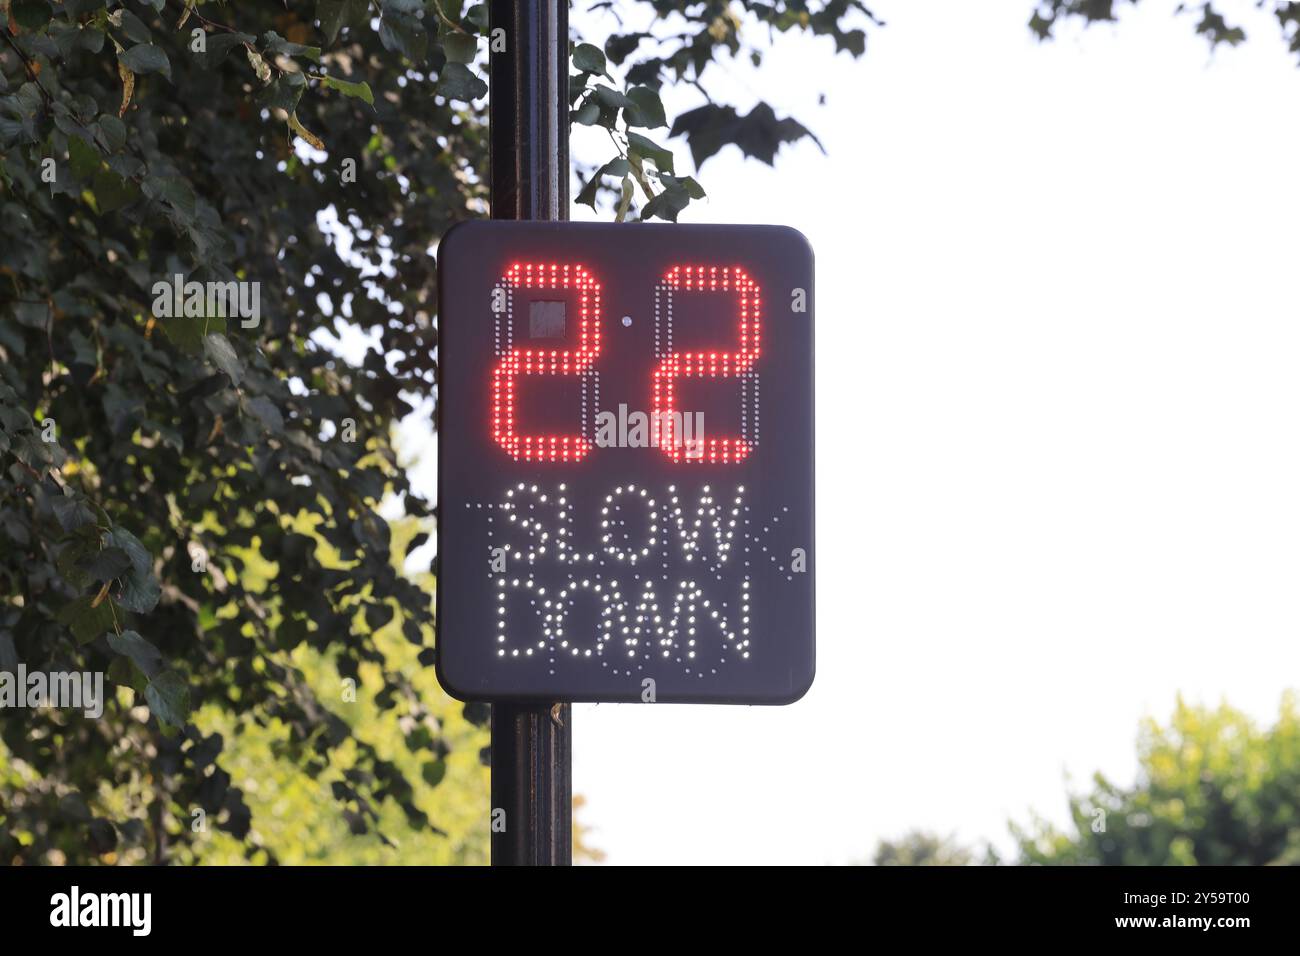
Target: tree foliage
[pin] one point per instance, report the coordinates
(1213, 788)
(1210, 21)
(189, 499)
(919, 848)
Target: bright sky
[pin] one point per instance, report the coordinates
(1057, 314)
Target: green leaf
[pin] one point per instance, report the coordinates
(140, 589)
(853, 42)
(218, 348)
(460, 47)
(72, 512)
(112, 132)
(644, 148)
(456, 82)
(693, 189)
(169, 698)
(648, 109)
(676, 196)
(433, 772)
(71, 40)
(107, 565)
(112, 192)
(172, 190)
(334, 15)
(134, 29)
(17, 121)
(758, 134)
(187, 332)
(615, 167)
(620, 46)
(359, 91)
(283, 92)
(69, 562)
(122, 408)
(34, 315)
(274, 43)
(588, 195)
(31, 14)
(143, 654)
(86, 621)
(587, 114)
(264, 410)
(611, 97)
(146, 58)
(83, 350)
(83, 158)
(401, 29)
(122, 673)
(36, 454)
(15, 419)
(477, 14)
(666, 205)
(588, 58)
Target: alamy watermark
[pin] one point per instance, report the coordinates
(71, 690)
(175, 298)
(133, 911)
(624, 429)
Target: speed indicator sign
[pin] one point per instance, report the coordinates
(625, 468)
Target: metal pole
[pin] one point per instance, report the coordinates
(528, 114)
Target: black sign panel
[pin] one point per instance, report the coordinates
(625, 468)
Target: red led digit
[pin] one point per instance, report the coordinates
(734, 281)
(520, 361)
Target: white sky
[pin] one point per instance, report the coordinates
(1057, 313)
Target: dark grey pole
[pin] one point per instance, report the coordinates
(528, 114)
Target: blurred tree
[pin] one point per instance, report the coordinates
(297, 814)
(1212, 789)
(154, 460)
(919, 848)
(1210, 22)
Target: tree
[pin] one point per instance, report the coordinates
(1212, 789)
(195, 197)
(919, 848)
(1212, 24)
